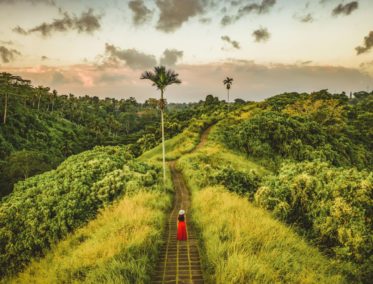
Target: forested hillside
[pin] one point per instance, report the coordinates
(307, 158)
(40, 128)
(298, 127)
(52, 206)
(303, 159)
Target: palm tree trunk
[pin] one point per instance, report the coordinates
(5, 107)
(163, 146)
(39, 101)
(228, 100)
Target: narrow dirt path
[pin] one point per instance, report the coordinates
(179, 261)
(203, 140)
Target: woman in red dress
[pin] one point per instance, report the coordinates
(181, 228)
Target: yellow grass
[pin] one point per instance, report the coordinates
(181, 144)
(175, 147)
(119, 246)
(196, 166)
(244, 244)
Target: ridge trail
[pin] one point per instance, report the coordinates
(179, 261)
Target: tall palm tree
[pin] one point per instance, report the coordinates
(8, 84)
(228, 83)
(161, 78)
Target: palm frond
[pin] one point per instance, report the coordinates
(161, 77)
(147, 75)
(228, 82)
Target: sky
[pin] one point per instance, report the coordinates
(100, 48)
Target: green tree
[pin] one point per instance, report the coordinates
(8, 85)
(228, 83)
(161, 78)
(23, 164)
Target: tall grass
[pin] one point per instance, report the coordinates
(244, 244)
(120, 246)
(199, 166)
(179, 145)
(175, 147)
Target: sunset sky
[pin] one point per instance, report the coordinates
(100, 48)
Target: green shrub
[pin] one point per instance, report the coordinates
(244, 183)
(45, 208)
(119, 246)
(333, 206)
(244, 244)
(274, 136)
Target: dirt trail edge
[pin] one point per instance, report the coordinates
(179, 261)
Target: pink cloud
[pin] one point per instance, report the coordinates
(86, 79)
(252, 81)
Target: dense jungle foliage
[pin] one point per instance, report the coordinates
(307, 127)
(121, 245)
(306, 158)
(45, 208)
(333, 206)
(40, 128)
(319, 149)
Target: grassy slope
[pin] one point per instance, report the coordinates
(181, 144)
(175, 147)
(122, 243)
(242, 243)
(119, 246)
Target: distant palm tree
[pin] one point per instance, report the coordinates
(228, 83)
(161, 78)
(8, 85)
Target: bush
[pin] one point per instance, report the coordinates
(274, 136)
(45, 208)
(333, 206)
(244, 183)
(119, 246)
(243, 244)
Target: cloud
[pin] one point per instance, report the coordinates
(133, 58)
(261, 35)
(262, 8)
(368, 44)
(8, 55)
(58, 78)
(306, 18)
(48, 2)
(140, 12)
(171, 56)
(254, 81)
(9, 42)
(205, 20)
(235, 3)
(227, 20)
(346, 9)
(234, 43)
(86, 23)
(173, 13)
(20, 30)
(111, 78)
(367, 67)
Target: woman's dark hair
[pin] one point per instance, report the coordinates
(181, 218)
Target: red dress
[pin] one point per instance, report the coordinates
(181, 231)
